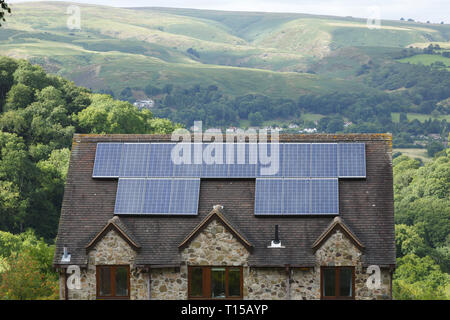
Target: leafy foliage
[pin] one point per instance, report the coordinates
(3, 9)
(40, 114)
(422, 214)
(26, 270)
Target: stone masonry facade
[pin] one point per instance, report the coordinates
(216, 246)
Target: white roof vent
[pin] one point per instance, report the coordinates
(276, 243)
(65, 256)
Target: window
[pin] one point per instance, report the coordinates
(337, 282)
(113, 282)
(215, 282)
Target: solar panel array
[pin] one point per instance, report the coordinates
(235, 160)
(157, 196)
(296, 196)
(291, 178)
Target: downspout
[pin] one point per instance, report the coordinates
(288, 284)
(66, 290)
(392, 274)
(149, 284)
(61, 291)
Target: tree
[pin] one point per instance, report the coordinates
(434, 147)
(26, 272)
(256, 119)
(4, 8)
(19, 97)
(419, 279)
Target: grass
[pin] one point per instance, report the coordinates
(240, 52)
(413, 153)
(427, 59)
(418, 116)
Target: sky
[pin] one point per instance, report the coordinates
(419, 10)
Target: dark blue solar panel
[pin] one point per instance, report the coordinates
(296, 196)
(107, 160)
(297, 160)
(157, 196)
(129, 196)
(161, 164)
(189, 164)
(324, 160)
(242, 160)
(135, 160)
(268, 196)
(214, 161)
(352, 160)
(270, 156)
(184, 196)
(324, 196)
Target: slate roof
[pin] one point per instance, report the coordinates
(366, 207)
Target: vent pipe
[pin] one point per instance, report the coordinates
(276, 242)
(277, 238)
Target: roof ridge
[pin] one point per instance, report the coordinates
(118, 225)
(337, 222)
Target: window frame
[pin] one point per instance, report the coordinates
(337, 296)
(112, 282)
(206, 283)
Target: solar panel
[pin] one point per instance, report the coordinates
(270, 159)
(296, 196)
(214, 161)
(242, 160)
(324, 160)
(352, 160)
(297, 160)
(107, 160)
(135, 160)
(324, 196)
(157, 196)
(161, 164)
(190, 164)
(268, 195)
(129, 196)
(184, 196)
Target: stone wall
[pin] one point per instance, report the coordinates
(265, 284)
(169, 283)
(214, 245)
(338, 250)
(112, 249)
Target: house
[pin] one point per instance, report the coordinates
(144, 104)
(137, 226)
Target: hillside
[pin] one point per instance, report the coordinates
(240, 52)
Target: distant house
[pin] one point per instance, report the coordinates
(308, 130)
(144, 104)
(141, 227)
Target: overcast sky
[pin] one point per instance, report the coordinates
(421, 10)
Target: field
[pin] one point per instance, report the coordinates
(413, 153)
(240, 52)
(427, 59)
(418, 116)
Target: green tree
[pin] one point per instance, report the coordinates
(19, 97)
(3, 9)
(26, 272)
(418, 279)
(256, 119)
(434, 147)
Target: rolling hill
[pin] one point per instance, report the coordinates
(277, 54)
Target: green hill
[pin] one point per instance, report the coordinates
(240, 52)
